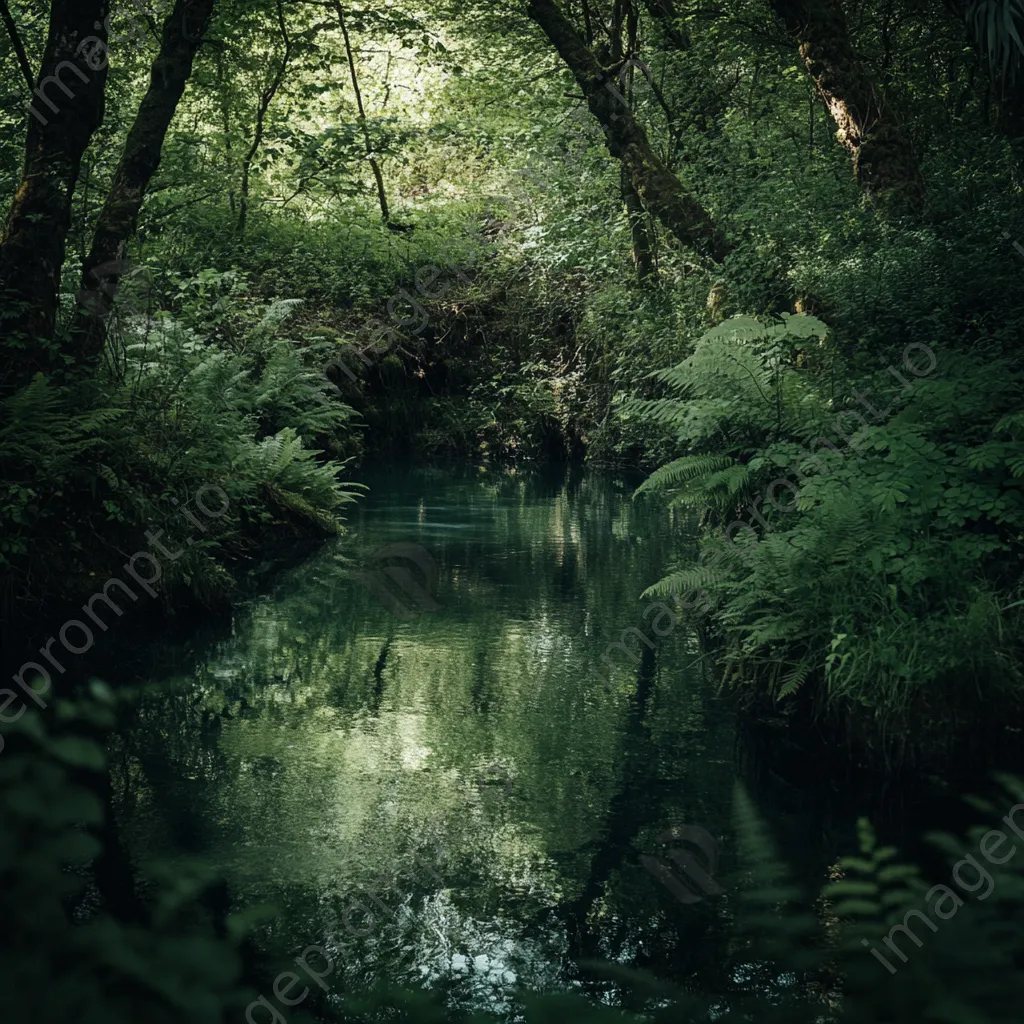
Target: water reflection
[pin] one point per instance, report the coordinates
(460, 792)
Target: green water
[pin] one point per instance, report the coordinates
(445, 782)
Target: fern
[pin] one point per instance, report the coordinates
(795, 678)
(865, 542)
(288, 474)
(685, 581)
(178, 412)
(275, 316)
(682, 471)
(997, 25)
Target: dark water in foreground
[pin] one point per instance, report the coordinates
(452, 787)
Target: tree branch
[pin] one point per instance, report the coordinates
(19, 46)
(660, 191)
(374, 165)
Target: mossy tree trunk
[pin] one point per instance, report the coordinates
(660, 191)
(182, 34)
(884, 162)
(643, 249)
(67, 108)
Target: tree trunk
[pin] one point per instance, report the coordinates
(640, 235)
(139, 161)
(659, 189)
(884, 162)
(643, 254)
(66, 111)
(378, 176)
(266, 98)
(225, 115)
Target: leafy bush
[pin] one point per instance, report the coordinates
(87, 470)
(874, 520)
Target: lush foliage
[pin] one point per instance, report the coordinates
(872, 522)
(87, 470)
(356, 231)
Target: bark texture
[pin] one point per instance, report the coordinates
(643, 250)
(660, 191)
(67, 108)
(180, 39)
(884, 162)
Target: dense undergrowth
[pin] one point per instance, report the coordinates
(207, 395)
(865, 530)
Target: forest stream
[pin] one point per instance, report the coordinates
(456, 787)
(512, 511)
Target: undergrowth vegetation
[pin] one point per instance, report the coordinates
(88, 468)
(865, 529)
(264, 242)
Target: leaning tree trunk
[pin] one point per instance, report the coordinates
(182, 34)
(660, 191)
(67, 108)
(884, 163)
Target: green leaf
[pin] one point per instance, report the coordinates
(78, 752)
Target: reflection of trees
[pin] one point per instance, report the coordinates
(611, 916)
(320, 739)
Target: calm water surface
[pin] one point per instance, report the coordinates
(445, 783)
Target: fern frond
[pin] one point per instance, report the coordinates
(683, 471)
(278, 312)
(686, 582)
(769, 901)
(794, 679)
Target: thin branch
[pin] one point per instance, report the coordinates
(382, 195)
(19, 46)
(266, 99)
(154, 29)
(156, 218)
(588, 23)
